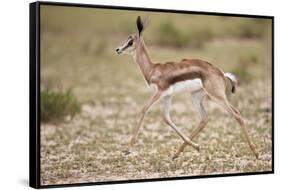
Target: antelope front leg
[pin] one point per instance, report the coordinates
(144, 110)
(167, 119)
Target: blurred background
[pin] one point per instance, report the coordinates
(90, 96)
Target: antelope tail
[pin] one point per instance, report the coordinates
(233, 80)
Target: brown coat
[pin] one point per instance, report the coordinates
(164, 75)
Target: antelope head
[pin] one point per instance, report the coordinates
(134, 40)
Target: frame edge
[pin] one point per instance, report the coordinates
(34, 142)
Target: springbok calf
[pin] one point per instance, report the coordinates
(195, 76)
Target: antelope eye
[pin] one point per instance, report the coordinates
(130, 42)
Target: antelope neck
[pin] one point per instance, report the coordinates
(143, 60)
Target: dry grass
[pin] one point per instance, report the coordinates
(88, 147)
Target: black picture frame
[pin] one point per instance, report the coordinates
(34, 91)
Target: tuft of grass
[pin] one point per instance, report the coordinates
(56, 105)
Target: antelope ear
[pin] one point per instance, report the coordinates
(139, 25)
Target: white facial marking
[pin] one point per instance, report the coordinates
(126, 48)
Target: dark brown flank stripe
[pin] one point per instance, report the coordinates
(188, 69)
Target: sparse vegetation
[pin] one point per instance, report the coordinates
(56, 105)
(196, 36)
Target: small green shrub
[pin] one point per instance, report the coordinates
(198, 37)
(56, 105)
(252, 29)
(169, 35)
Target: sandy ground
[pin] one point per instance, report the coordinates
(89, 147)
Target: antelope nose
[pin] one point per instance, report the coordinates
(117, 49)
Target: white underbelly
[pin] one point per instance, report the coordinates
(184, 86)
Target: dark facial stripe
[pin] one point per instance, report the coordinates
(124, 48)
